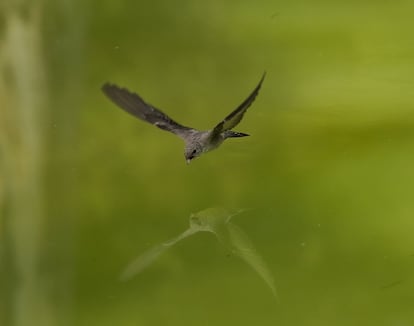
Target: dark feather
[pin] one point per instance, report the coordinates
(135, 105)
(235, 117)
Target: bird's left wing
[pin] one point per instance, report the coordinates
(135, 105)
(235, 117)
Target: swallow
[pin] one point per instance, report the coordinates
(197, 142)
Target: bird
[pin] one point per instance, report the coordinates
(197, 142)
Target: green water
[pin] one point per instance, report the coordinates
(326, 178)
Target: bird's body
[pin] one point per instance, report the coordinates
(196, 141)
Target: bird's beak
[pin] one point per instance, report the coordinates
(188, 161)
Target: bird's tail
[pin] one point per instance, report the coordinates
(231, 133)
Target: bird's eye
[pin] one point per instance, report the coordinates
(193, 152)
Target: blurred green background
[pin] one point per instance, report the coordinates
(327, 174)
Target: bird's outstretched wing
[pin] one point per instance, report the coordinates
(135, 105)
(235, 117)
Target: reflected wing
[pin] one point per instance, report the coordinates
(235, 117)
(135, 105)
(243, 247)
(144, 260)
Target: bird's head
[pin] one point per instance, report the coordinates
(192, 151)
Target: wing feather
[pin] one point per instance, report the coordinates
(135, 105)
(235, 117)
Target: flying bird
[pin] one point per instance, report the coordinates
(196, 141)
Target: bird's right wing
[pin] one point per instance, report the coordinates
(135, 105)
(235, 117)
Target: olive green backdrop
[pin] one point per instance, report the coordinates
(327, 175)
